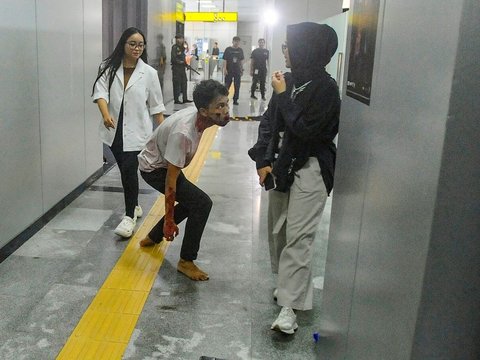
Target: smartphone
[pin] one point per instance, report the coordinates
(269, 182)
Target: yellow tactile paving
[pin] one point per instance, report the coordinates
(105, 328)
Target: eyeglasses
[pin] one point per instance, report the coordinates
(284, 47)
(133, 45)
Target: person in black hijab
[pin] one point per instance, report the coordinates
(295, 145)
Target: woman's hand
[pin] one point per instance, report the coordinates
(262, 174)
(108, 122)
(278, 82)
(158, 118)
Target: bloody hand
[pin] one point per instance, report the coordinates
(170, 230)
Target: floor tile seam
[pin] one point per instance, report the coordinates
(133, 244)
(89, 339)
(96, 312)
(228, 313)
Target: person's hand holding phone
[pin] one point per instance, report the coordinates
(265, 175)
(269, 182)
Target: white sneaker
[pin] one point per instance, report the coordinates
(286, 321)
(138, 212)
(275, 294)
(125, 228)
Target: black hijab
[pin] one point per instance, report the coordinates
(310, 47)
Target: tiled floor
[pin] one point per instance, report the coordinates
(47, 284)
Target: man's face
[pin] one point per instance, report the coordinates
(217, 111)
(179, 41)
(288, 65)
(236, 43)
(261, 44)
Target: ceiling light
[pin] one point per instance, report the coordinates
(270, 16)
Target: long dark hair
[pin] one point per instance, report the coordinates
(112, 63)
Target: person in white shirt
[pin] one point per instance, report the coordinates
(128, 94)
(171, 148)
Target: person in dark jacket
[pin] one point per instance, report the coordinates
(295, 144)
(179, 77)
(258, 68)
(234, 58)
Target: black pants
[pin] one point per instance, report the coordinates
(236, 77)
(179, 79)
(192, 204)
(127, 162)
(260, 77)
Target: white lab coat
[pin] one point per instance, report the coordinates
(141, 99)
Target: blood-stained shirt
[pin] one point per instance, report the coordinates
(174, 141)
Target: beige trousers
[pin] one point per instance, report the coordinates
(293, 218)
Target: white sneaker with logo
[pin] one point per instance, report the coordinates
(286, 321)
(138, 212)
(125, 228)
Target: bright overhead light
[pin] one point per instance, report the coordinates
(270, 16)
(208, 6)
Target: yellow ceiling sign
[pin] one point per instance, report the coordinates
(179, 12)
(211, 16)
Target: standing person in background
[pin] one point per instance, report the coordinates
(170, 149)
(233, 57)
(162, 60)
(179, 77)
(295, 145)
(258, 68)
(215, 50)
(195, 51)
(128, 95)
(214, 58)
(193, 60)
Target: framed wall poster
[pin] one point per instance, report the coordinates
(362, 49)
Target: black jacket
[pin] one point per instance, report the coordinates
(309, 120)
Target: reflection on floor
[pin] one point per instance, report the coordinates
(47, 284)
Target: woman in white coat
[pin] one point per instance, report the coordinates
(128, 95)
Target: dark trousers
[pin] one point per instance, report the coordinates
(236, 77)
(179, 79)
(260, 77)
(192, 204)
(127, 162)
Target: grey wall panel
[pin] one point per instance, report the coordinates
(351, 179)
(407, 119)
(448, 325)
(92, 58)
(20, 178)
(61, 87)
(393, 149)
(47, 149)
